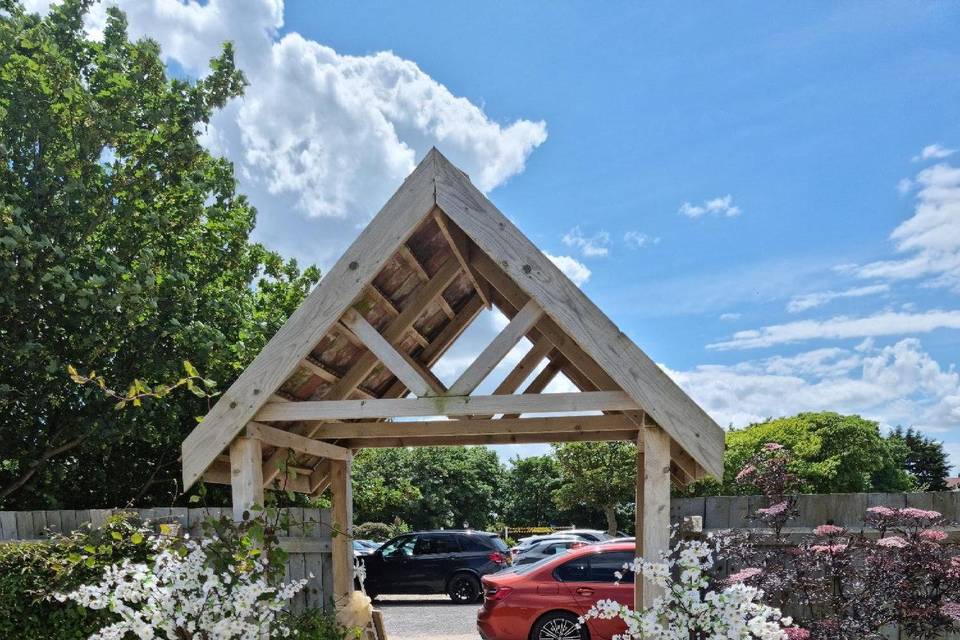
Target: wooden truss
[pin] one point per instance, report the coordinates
(357, 355)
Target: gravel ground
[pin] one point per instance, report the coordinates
(428, 618)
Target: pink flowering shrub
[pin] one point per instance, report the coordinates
(842, 584)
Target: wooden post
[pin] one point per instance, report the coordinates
(638, 584)
(341, 496)
(246, 476)
(656, 501)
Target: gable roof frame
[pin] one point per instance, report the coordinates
(436, 184)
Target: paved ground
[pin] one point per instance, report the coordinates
(428, 618)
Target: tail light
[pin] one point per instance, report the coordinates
(497, 557)
(495, 593)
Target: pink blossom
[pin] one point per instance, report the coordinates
(774, 510)
(746, 472)
(796, 633)
(827, 530)
(951, 609)
(743, 575)
(919, 514)
(773, 446)
(954, 570)
(932, 535)
(883, 512)
(828, 548)
(893, 542)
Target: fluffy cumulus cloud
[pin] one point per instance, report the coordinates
(594, 246)
(721, 206)
(886, 323)
(807, 301)
(321, 140)
(571, 267)
(895, 384)
(929, 240)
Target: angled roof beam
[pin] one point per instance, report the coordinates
(330, 377)
(326, 410)
(389, 229)
(392, 309)
(421, 298)
(284, 439)
(460, 246)
(418, 269)
(501, 345)
(399, 363)
(545, 377)
(357, 432)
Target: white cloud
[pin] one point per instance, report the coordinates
(571, 267)
(930, 237)
(722, 205)
(896, 384)
(810, 300)
(729, 317)
(317, 134)
(592, 247)
(885, 323)
(933, 152)
(637, 240)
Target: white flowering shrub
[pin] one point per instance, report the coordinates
(692, 608)
(221, 588)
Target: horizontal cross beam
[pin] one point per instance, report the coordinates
(445, 406)
(358, 431)
(514, 438)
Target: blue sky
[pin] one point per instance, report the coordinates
(763, 195)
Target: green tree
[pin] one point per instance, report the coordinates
(923, 458)
(832, 453)
(529, 487)
(124, 248)
(600, 475)
(455, 485)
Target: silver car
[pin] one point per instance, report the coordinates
(542, 549)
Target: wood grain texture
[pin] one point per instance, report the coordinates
(280, 438)
(341, 498)
(326, 303)
(656, 501)
(497, 350)
(357, 431)
(445, 406)
(505, 438)
(387, 354)
(246, 469)
(573, 312)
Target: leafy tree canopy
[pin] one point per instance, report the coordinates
(922, 457)
(428, 487)
(832, 453)
(124, 249)
(529, 488)
(600, 475)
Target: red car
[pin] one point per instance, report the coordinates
(543, 601)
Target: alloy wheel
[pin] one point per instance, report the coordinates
(559, 629)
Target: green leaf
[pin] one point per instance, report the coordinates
(136, 538)
(189, 369)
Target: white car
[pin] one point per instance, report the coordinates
(588, 535)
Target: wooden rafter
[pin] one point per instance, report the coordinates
(498, 348)
(330, 377)
(399, 363)
(421, 272)
(494, 439)
(392, 309)
(460, 246)
(280, 438)
(326, 410)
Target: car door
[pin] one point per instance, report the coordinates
(588, 579)
(433, 558)
(389, 567)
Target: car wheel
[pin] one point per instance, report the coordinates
(559, 625)
(464, 588)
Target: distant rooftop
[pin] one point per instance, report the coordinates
(953, 483)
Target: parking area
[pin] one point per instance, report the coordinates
(428, 618)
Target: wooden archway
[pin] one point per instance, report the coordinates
(358, 353)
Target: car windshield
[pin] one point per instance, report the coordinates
(400, 547)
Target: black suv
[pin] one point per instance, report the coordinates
(450, 562)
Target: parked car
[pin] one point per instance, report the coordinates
(425, 562)
(547, 548)
(529, 543)
(590, 535)
(364, 547)
(543, 600)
